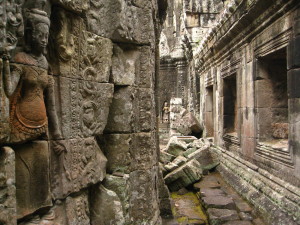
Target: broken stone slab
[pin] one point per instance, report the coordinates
(189, 151)
(243, 206)
(188, 124)
(245, 216)
(219, 216)
(171, 166)
(187, 139)
(106, 207)
(180, 160)
(204, 157)
(80, 166)
(8, 214)
(175, 146)
(207, 182)
(199, 143)
(208, 192)
(165, 157)
(184, 176)
(220, 202)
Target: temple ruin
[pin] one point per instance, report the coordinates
(139, 112)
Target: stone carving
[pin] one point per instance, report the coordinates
(32, 181)
(77, 6)
(11, 28)
(7, 186)
(89, 107)
(165, 113)
(96, 55)
(81, 165)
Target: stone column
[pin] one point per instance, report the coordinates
(293, 65)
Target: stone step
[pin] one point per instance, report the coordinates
(220, 202)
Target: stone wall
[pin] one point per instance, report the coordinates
(247, 67)
(79, 116)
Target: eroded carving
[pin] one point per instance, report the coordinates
(81, 165)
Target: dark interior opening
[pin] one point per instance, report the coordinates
(209, 112)
(230, 104)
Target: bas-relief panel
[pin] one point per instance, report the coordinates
(88, 106)
(79, 166)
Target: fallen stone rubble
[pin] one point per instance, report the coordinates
(185, 160)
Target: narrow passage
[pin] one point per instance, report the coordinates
(211, 201)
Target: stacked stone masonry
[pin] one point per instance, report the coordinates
(240, 79)
(78, 122)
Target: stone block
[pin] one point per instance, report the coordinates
(165, 157)
(116, 148)
(238, 222)
(179, 160)
(220, 202)
(72, 210)
(293, 83)
(243, 206)
(83, 107)
(79, 54)
(146, 112)
(189, 151)
(122, 111)
(32, 177)
(77, 6)
(143, 151)
(207, 182)
(145, 78)
(219, 216)
(209, 192)
(171, 166)
(121, 21)
(106, 207)
(82, 164)
(8, 205)
(184, 176)
(142, 192)
(121, 186)
(293, 55)
(4, 119)
(125, 64)
(176, 147)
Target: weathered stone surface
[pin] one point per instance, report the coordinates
(106, 207)
(176, 147)
(125, 65)
(220, 202)
(219, 216)
(208, 192)
(81, 165)
(8, 205)
(143, 152)
(142, 191)
(32, 177)
(238, 222)
(171, 166)
(183, 176)
(207, 182)
(116, 148)
(243, 206)
(88, 109)
(121, 21)
(121, 186)
(188, 124)
(77, 6)
(165, 157)
(245, 216)
(179, 160)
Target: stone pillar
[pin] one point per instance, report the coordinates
(293, 65)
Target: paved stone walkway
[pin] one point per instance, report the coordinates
(213, 202)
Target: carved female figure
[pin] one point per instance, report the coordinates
(26, 82)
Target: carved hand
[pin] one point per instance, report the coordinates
(58, 147)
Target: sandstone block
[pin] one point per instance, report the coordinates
(81, 165)
(220, 202)
(8, 214)
(77, 6)
(183, 176)
(293, 81)
(176, 147)
(32, 177)
(179, 160)
(106, 207)
(293, 56)
(171, 166)
(165, 157)
(208, 192)
(116, 148)
(121, 21)
(142, 189)
(219, 216)
(84, 107)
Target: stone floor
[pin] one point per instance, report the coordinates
(212, 202)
